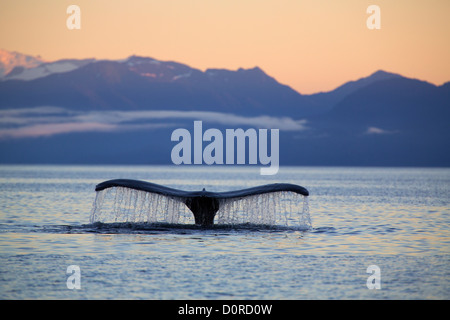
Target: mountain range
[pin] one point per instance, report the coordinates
(121, 111)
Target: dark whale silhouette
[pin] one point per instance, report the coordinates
(203, 204)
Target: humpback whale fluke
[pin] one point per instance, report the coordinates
(203, 204)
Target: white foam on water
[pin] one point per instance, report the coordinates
(119, 204)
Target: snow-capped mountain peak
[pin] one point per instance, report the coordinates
(10, 60)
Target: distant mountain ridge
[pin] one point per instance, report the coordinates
(326, 100)
(145, 83)
(111, 108)
(152, 78)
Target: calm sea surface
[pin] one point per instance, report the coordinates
(397, 219)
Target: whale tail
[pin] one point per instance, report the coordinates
(204, 205)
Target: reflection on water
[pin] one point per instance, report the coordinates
(396, 218)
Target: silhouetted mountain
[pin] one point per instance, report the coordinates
(147, 84)
(325, 101)
(396, 121)
(395, 104)
(125, 111)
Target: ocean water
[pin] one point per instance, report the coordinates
(396, 219)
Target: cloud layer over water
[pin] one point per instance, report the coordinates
(48, 121)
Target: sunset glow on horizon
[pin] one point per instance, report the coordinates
(311, 46)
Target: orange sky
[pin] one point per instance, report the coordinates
(310, 45)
